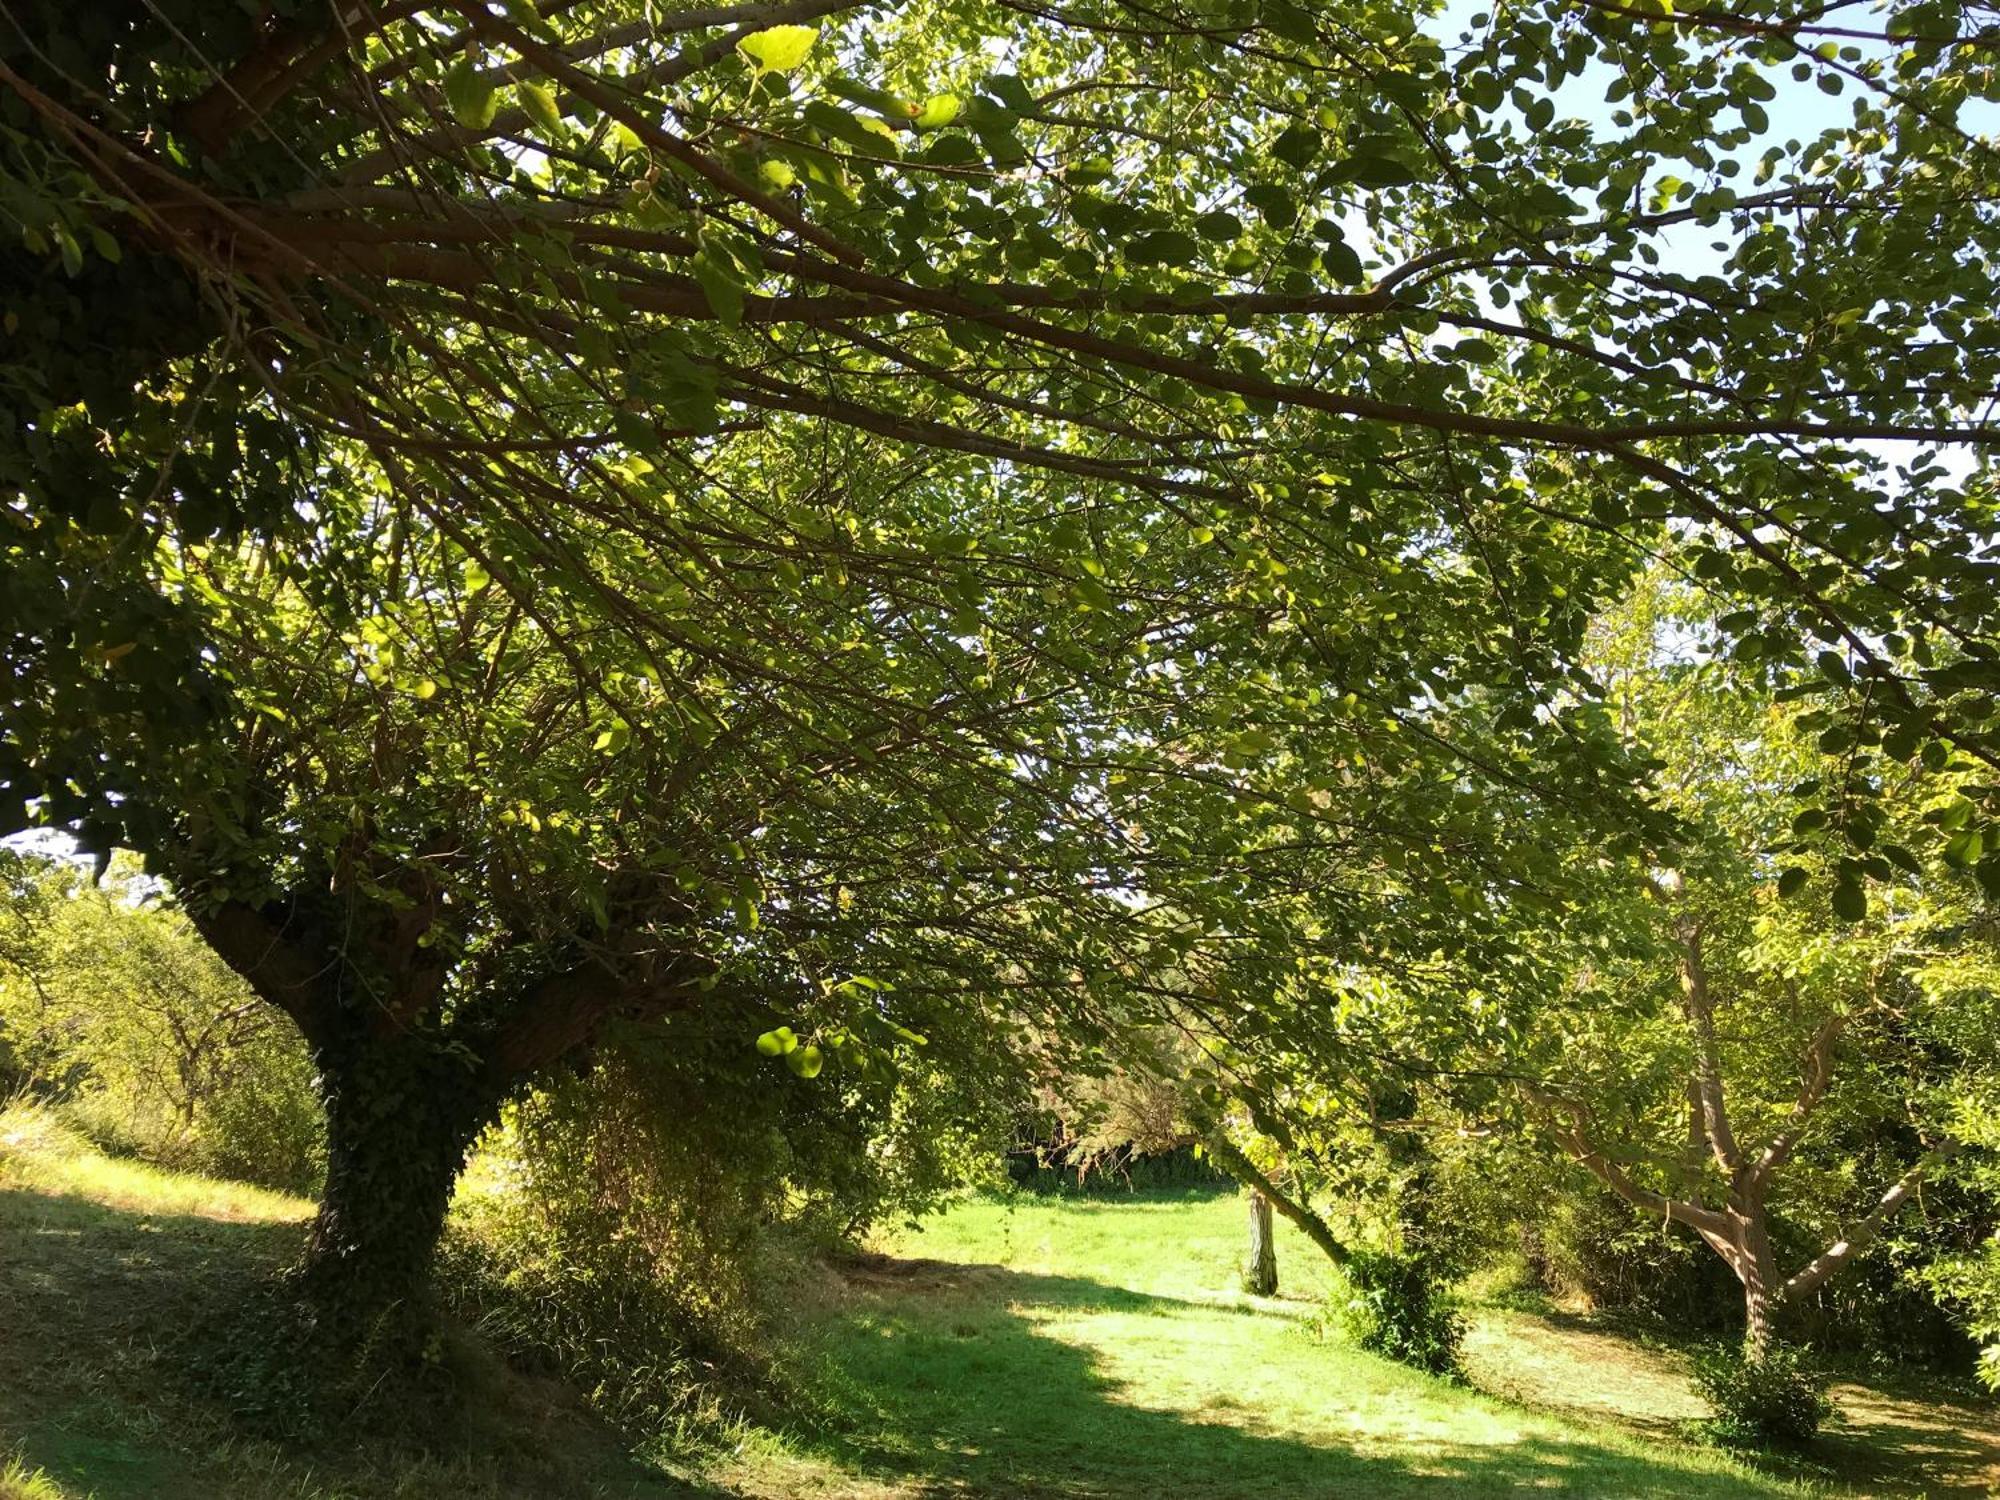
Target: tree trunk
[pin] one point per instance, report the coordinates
(1260, 1272)
(401, 1114)
(1755, 1270)
(1757, 1330)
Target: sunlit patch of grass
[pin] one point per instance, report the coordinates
(1099, 1347)
(107, 1267)
(21, 1481)
(39, 1154)
(1015, 1346)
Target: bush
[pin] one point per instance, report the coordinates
(1399, 1306)
(1777, 1401)
(644, 1229)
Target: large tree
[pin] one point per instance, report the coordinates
(532, 515)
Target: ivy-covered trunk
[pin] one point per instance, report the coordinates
(407, 1080)
(401, 1114)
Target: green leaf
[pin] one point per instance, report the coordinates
(1988, 875)
(939, 111)
(1277, 206)
(472, 98)
(1297, 146)
(1343, 265)
(778, 49)
(1219, 225)
(539, 100)
(635, 430)
(1792, 881)
(722, 285)
(1850, 901)
(1164, 247)
(806, 1061)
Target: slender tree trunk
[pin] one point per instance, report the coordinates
(1260, 1272)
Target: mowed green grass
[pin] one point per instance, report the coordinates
(1098, 1347)
(1019, 1347)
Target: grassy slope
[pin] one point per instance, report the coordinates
(109, 1268)
(1093, 1348)
(1089, 1348)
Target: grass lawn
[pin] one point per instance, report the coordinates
(1096, 1347)
(1025, 1347)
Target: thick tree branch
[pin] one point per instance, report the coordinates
(256, 946)
(1816, 1073)
(565, 1010)
(1245, 1171)
(1865, 1233)
(1707, 1064)
(1564, 1119)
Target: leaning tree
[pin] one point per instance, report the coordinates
(532, 514)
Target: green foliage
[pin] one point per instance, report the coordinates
(844, 515)
(637, 1228)
(112, 1006)
(1967, 1277)
(1400, 1307)
(1778, 1400)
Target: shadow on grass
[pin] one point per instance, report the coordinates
(105, 1317)
(1897, 1432)
(1918, 1445)
(950, 1387)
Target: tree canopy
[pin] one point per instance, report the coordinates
(533, 515)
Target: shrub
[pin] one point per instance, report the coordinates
(643, 1228)
(1777, 1401)
(1399, 1306)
